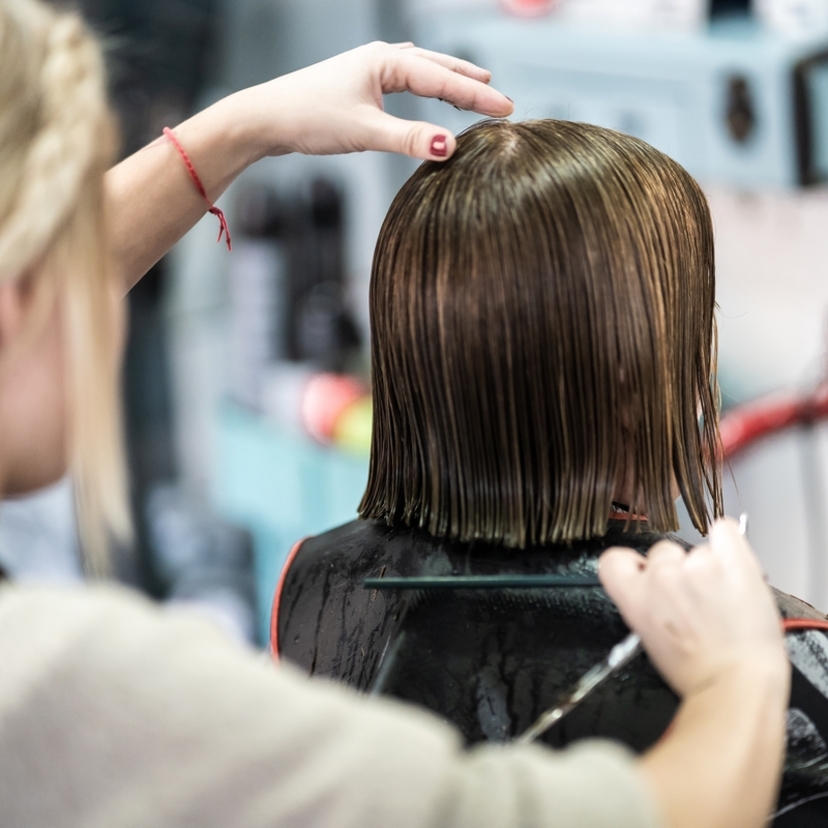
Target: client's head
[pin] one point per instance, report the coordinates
(542, 339)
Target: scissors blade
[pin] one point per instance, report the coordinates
(620, 655)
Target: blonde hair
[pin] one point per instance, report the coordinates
(57, 138)
(541, 324)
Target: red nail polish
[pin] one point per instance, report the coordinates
(439, 146)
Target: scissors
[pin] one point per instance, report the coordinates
(620, 655)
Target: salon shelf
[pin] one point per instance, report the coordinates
(281, 486)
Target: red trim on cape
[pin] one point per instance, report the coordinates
(277, 599)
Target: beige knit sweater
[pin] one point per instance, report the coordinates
(116, 713)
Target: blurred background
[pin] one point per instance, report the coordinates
(246, 382)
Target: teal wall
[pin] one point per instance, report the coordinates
(282, 487)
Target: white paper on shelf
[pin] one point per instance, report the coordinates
(674, 14)
(793, 17)
(643, 14)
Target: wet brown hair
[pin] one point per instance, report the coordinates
(542, 328)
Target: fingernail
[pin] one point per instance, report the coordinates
(439, 146)
(508, 99)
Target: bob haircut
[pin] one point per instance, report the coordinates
(542, 331)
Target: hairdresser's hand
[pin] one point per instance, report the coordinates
(700, 615)
(336, 106)
(331, 107)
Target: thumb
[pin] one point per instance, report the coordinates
(419, 139)
(620, 571)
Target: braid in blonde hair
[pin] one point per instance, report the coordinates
(72, 106)
(57, 138)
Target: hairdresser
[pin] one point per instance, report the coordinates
(114, 712)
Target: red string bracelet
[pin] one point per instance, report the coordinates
(216, 211)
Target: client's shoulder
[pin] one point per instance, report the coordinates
(367, 546)
(349, 540)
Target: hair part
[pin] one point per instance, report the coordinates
(57, 138)
(542, 326)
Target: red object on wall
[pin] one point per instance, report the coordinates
(530, 8)
(742, 426)
(325, 397)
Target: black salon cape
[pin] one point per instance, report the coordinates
(492, 660)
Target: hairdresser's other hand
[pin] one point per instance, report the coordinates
(701, 614)
(336, 106)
